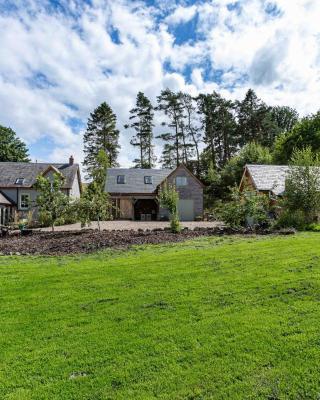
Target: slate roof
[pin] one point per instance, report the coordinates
(11, 171)
(135, 180)
(269, 177)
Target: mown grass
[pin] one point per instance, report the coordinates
(230, 318)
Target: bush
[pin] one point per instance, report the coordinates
(313, 227)
(291, 219)
(175, 224)
(44, 219)
(247, 208)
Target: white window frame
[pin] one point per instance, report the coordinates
(20, 201)
(148, 178)
(181, 180)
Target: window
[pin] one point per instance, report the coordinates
(148, 180)
(24, 201)
(121, 179)
(19, 181)
(181, 180)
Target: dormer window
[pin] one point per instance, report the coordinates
(148, 180)
(121, 179)
(19, 181)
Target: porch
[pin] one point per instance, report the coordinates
(7, 210)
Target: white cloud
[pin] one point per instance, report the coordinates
(55, 67)
(181, 15)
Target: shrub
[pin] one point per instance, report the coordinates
(44, 219)
(313, 227)
(175, 224)
(291, 219)
(247, 208)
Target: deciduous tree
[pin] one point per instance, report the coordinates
(52, 202)
(302, 191)
(94, 204)
(169, 198)
(304, 133)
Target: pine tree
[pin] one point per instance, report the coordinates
(190, 132)
(219, 126)
(101, 134)
(255, 121)
(167, 159)
(171, 105)
(142, 122)
(11, 147)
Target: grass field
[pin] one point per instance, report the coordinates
(215, 318)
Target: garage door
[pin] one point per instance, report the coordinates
(186, 210)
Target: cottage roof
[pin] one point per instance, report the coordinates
(10, 172)
(134, 180)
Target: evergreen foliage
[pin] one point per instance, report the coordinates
(101, 134)
(142, 122)
(11, 147)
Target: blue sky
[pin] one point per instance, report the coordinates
(61, 59)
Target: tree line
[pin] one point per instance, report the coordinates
(196, 131)
(213, 136)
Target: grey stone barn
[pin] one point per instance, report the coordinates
(17, 192)
(134, 193)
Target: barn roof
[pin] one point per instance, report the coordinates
(134, 180)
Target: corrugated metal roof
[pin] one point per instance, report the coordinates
(134, 180)
(11, 171)
(269, 177)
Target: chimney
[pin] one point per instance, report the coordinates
(71, 160)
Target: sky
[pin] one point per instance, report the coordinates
(60, 59)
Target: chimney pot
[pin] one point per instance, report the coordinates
(71, 160)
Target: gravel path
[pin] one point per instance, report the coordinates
(134, 225)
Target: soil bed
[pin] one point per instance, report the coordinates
(87, 241)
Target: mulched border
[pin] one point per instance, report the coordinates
(87, 241)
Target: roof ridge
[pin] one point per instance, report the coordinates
(36, 163)
(266, 165)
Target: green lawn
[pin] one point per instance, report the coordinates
(208, 319)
